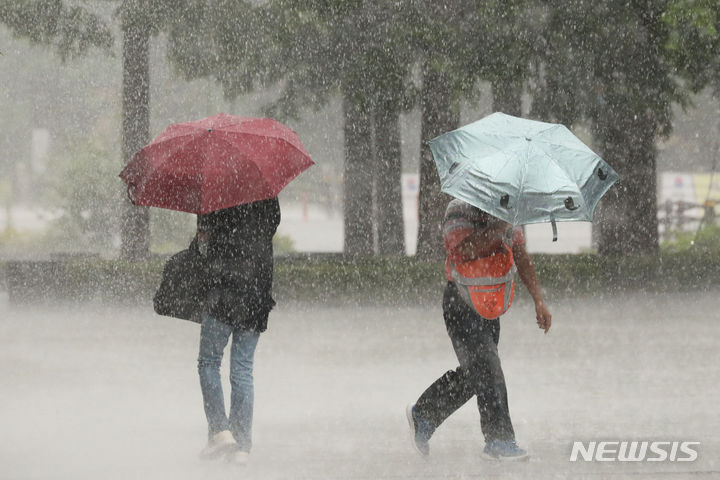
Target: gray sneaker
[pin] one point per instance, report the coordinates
(505, 450)
(419, 431)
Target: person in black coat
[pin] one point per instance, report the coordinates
(234, 247)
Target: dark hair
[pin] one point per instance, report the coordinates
(485, 219)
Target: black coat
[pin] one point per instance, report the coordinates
(237, 263)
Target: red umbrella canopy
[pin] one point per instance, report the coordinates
(215, 163)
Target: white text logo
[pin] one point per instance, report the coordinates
(635, 451)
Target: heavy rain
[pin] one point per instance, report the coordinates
(141, 248)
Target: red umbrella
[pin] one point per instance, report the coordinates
(215, 163)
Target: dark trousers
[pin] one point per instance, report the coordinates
(475, 342)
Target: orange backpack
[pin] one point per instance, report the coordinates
(487, 284)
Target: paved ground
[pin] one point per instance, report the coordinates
(94, 392)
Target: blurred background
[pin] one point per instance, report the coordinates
(62, 112)
(95, 384)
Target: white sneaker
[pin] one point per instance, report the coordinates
(237, 457)
(218, 445)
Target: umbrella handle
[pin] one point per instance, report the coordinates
(553, 224)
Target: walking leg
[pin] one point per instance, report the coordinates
(491, 391)
(241, 380)
(214, 336)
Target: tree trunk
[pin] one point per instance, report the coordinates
(439, 115)
(135, 228)
(507, 97)
(358, 180)
(627, 217)
(390, 226)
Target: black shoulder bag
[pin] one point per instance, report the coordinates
(181, 291)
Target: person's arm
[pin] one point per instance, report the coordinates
(526, 271)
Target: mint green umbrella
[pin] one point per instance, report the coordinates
(522, 171)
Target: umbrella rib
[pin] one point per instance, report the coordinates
(202, 171)
(522, 183)
(579, 189)
(560, 168)
(551, 127)
(520, 135)
(586, 152)
(550, 157)
(161, 165)
(516, 137)
(171, 138)
(573, 148)
(222, 138)
(267, 136)
(263, 179)
(174, 152)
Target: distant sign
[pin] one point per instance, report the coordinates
(410, 183)
(689, 187)
(410, 191)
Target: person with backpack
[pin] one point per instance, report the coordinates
(483, 255)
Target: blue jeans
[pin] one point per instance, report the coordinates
(214, 337)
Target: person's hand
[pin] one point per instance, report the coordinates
(543, 316)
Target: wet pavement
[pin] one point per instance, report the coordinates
(99, 392)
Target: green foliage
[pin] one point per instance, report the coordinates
(336, 280)
(71, 30)
(354, 48)
(618, 58)
(694, 40)
(170, 231)
(11, 241)
(378, 280)
(282, 244)
(619, 66)
(226, 41)
(607, 59)
(149, 15)
(707, 239)
(82, 187)
(314, 49)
